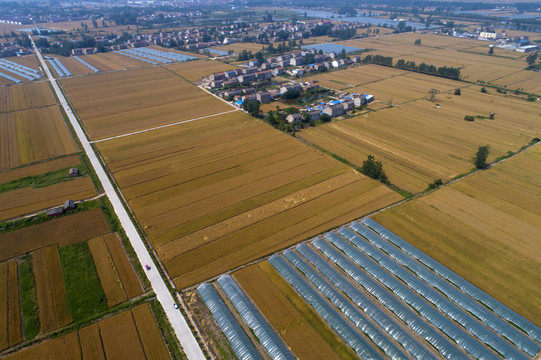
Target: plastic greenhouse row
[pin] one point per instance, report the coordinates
(19, 66)
(499, 309)
(56, 68)
(488, 318)
(148, 56)
(165, 54)
(86, 64)
(238, 339)
(136, 57)
(16, 81)
(17, 72)
(64, 69)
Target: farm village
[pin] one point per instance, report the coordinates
(270, 180)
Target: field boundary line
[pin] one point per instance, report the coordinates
(160, 127)
(178, 323)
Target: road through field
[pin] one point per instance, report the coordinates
(179, 324)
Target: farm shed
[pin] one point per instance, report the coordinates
(73, 171)
(55, 212)
(69, 205)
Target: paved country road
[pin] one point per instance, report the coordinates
(179, 324)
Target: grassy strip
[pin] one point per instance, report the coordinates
(166, 330)
(84, 291)
(29, 302)
(43, 180)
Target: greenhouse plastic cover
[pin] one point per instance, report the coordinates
(253, 318)
(380, 317)
(463, 339)
(500, 309)
(349, 310)
(429, 294)
(64, 69)
(324, 309)
(488, 318)
(238, 339)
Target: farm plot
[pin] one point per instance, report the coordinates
(529, 81)
(298, 325)
(24, 96)
(219, 192)
(349, 78)
(29, 60)
(195, 70)
(238, 47)
(419, 143)
(51, 291)
(10, 313)
(32, 135)
(112, 62)
(130, 334)
(116, 274)
(484, 228)
(74, 66)
(39, 168)
(121, 102)
(64, 231)
(26, 200)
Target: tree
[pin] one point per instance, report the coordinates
(531, 58)
(433, 92)
(324, 117)
(417, 42)
(291, 94)
(469, 118)
(374, 169)
(94, 23)
(480, 160)
(457, 92)
(252, 107)
(491, 50)
(484, 90)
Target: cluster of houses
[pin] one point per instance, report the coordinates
(281, 31)
(332, 108)
(501, 40)
(238, 96)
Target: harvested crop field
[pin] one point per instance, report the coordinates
(195, 70)
(116, 273)
(355, 76)
(24, 96)
(238, 47)
(485, 228)
(32, 135)
(117, 337)
(51, 291)
(26, 200)
(10, 313)
(419, 142)
(121, 102)
(295, 321)
(74, 66)
(39, 168)
(111, 62)
(219, 192)
(64, 231)
(29, 60)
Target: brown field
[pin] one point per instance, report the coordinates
(121, 102)
(74, 66)
(525, 79)
(419, 143)
(10, 314)
(352, 77)
(150, 335)
(116, 337)
(27, 200)
(293, 319)
(39, 168)
(29, 60)
(64, 231)
(485, 229)
(50, 289)
(111, 61)
(23, 96)
(110, 281)
(31, 135)
(195, 70)
(208, 192)
(126, 273)
(120, 338)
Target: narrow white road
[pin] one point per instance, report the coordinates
(181, 328)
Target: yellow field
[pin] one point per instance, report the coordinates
(121, 102)
(294, 320)
(238, 47)
(28, 60)
(73, 65)
(111, 61)
(121, 336)
(23, 96)
(349, 78)
(216, 193)
(485, 228)
(10, 313)
(26, 200)
(419, 143)
(32, 135)
(525, 79)
(195, 70)
(39, 168)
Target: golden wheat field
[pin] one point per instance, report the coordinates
(355, 76)
(195, 70)
(420, 142)
(121, 102)
(24, 96)
(485, 228)
(112, 61)
(216, 193)
(39, 168)
(32, 135)
(238, 47)
(130, 334)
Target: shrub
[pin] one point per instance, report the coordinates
(457, 92)
(469, 118)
